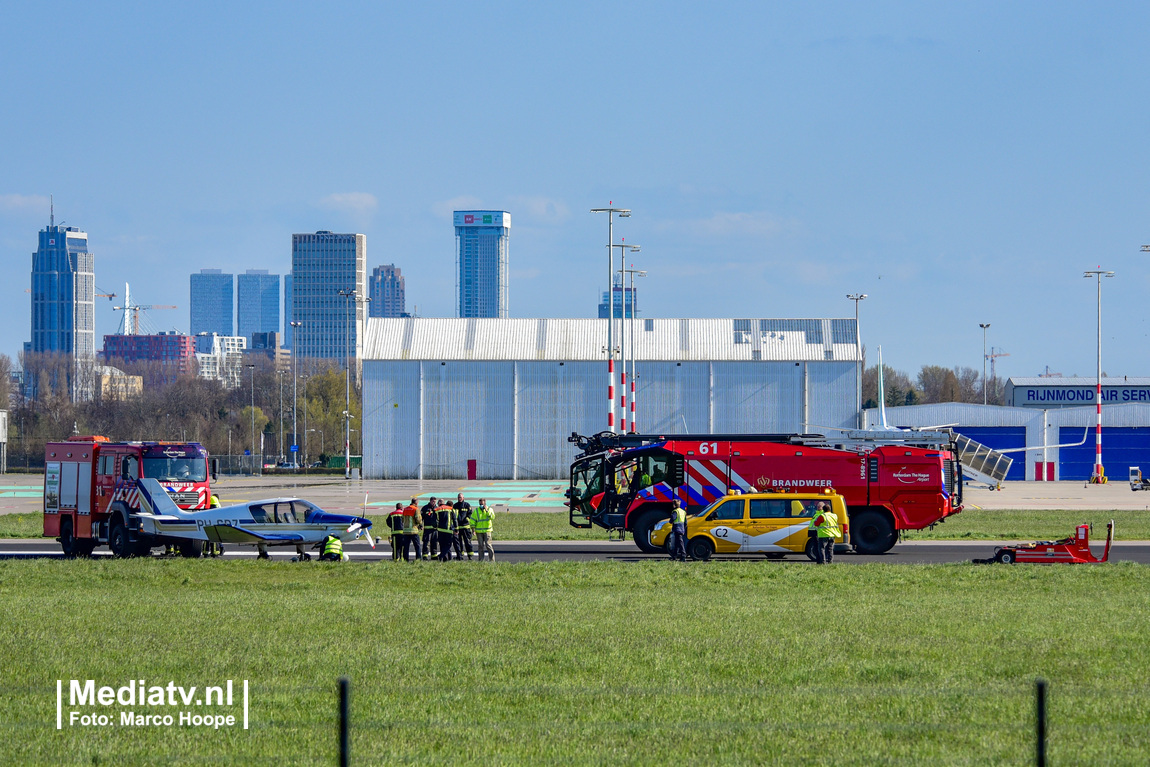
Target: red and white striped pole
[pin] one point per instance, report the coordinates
(610, 391)
(623, 213)
(1099, 473)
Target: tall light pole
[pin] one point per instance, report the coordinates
(984, 326)
(1099, 474)
(856, 297)
(622, 324)
(351, 298)
(623, 213)
(253, 412)
(305, 429)
(294, 396)
(631, 346)
(280, 375)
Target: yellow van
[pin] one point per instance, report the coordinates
(774, 524)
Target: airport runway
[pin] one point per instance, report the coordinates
(915, 552)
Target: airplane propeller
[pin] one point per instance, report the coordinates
(359, 529)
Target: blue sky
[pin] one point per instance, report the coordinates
(959, 163)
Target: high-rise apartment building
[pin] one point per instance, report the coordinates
(63, 293)
(324, 264)
(257, 303)
(482, 239)
(211, 301)
(386, 288)
(287, 311)
(624, 300)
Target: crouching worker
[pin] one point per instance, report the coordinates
(332, 550)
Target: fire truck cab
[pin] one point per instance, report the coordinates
(90, 493)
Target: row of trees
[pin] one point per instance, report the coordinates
(181, 407)
(933, 383)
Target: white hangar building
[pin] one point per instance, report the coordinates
(503, 395)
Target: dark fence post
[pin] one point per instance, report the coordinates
(1040, 721)
(343, 745)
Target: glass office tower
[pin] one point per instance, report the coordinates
(63, 293)
(257, 303)
(212, 308)
(388, 293)
(482, 239)
(323, 264)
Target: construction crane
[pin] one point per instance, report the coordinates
(992, 357)
(108, 296)
(131, 322)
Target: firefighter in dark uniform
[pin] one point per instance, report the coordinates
(430, 537)
(395, 526)
(462, 538)
(445, 529)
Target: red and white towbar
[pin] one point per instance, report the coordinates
(1072, 551)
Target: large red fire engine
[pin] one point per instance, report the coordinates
(90, 493)
(890, 480)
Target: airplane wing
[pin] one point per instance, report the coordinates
(234, 534)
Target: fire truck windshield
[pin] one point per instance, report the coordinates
(190, 469)
(587, 478)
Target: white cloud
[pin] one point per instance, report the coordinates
(445, 208)
(23, 203)
(540, 210)
(758, 224)
(355, 203)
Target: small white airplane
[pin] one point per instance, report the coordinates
(263, 523)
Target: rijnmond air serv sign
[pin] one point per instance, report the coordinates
(1070, 396)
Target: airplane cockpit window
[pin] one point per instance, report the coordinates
(284, 514)
(262, 513)
(301, 509)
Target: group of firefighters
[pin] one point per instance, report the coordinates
(440, 529)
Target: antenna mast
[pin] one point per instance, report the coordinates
(52, 211)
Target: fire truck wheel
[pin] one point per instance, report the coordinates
(67, 540)
(642, 528)
(1005, 557)
(700, 548)
(118, 540)
(191, 549)
(873, 533)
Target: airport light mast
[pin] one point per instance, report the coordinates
(1099, 475)
(623, 213)
(623, 326)
(856, 297)
(984, 326)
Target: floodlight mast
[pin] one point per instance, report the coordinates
(622, 326)
(623, 213)
(631, 346)
(856, 297)
(1099, 475)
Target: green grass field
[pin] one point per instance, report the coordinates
(588, 663)
(971, 524)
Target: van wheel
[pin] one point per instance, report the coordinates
(67, 539)
(700, 548)
(118, 540)
(641, 529)
(775, 555)
(873, 533)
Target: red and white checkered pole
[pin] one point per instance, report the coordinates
(610, 391)
(1099, 473)
(1098, 434)
(623, 399)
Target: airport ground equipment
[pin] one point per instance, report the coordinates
(92, 495)
(891, 480)
(1071, 551)
(1137, 481)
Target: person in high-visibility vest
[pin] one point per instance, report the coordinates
(445, 529)
(482, 518)
(827, 529)
(679, 531)
(332, 549)
(211, 548)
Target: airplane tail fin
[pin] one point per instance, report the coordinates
(154, 500)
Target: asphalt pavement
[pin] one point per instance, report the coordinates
(910, 553)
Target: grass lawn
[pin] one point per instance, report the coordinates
(587, 663)
(1029, 524)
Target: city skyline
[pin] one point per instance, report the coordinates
(980, 156)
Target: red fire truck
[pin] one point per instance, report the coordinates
(90, 494)
(890, 480)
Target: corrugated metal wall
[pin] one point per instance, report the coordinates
(514, 418)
